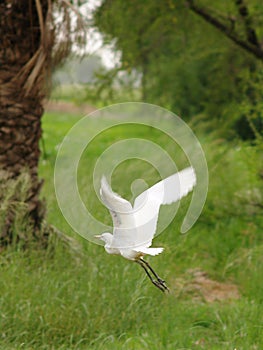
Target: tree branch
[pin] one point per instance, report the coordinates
(250, 32)
(249, 45)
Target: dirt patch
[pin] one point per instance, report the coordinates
(69, 107)
(201, 287)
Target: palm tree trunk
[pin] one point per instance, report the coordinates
(20, 130)
(31, 44)
(20, 108)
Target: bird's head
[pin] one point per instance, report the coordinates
(105, 237)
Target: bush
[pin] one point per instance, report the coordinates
(15, 223)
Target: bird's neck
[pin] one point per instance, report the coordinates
(108, 246)
(108, 242)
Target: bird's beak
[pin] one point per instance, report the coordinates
(98, 236)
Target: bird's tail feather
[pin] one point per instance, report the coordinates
(150, 251)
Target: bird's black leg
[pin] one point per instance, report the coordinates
(156, 283)
(160, 280)
(159, 283)
(154, 273)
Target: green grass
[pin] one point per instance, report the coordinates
(62, 299)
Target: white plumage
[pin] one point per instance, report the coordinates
(134, 226)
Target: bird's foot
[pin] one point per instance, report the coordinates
(161, 280)
(161, 285)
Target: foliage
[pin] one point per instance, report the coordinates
(15, 194)
(198, 72)
(13, 208)
(242, 197)
(238, 20)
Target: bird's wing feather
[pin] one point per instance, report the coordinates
(124, 231)
(167, 191)
(170, 189)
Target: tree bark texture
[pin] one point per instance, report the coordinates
(21, 108)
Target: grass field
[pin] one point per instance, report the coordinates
(85, 299)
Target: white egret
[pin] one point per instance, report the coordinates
(134, 226)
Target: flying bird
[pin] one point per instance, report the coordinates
(134, 226)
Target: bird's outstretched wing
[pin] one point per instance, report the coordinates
(124, 231)
(147, 204)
